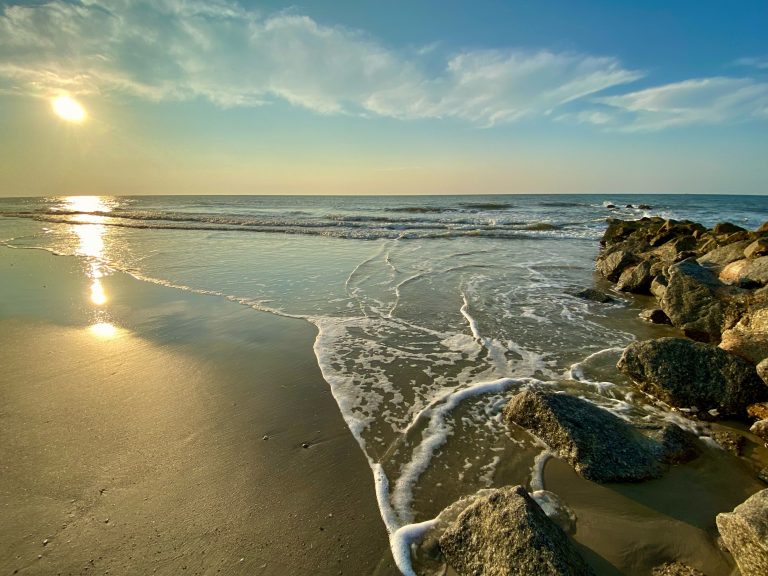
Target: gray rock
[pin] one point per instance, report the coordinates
(636, 279)
(745, 534)
(600, 446)
(762, 370)
(691, 374)
(697, 302)
(748, 273)
(675, 569)
(760, 429)
(727, 228)
(749, 337)
(719, 258)
(506, 534)
(612, 263)
(758, 248)
(594, 296)
(655, 316)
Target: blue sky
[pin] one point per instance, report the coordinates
(385, 97)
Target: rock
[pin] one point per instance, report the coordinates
(507, 533)
(644, 206)
(675, 569)
(697, 302)
(612, 263)
(745, 534)
(762, 370)
(749, 337)
(600, 446)
(619, 230)
(763, 227)
(727, 228)
(758, 248)
(594, 295)
(729, 441)
(720, 257)
(748, 273)
(758, 410)
(760, 429)
(636, 279)
(659, 287)
(688, 374)
(763, 475)
(655, 316)
(305, 445)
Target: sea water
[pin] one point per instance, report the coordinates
(430, 311)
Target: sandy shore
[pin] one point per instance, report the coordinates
(138, 446)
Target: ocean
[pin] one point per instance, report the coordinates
(430, 311)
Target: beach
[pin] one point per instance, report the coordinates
(300, 385)
(172, 442)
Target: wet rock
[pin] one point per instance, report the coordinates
(675, 569)
(611, 264)
(760, 429)
(745, 534)
(655, 316)
(697, 302)
(757, 248)
(729, 441)
(763, 475)
(687, 374)
(719, 258)
(507, 533)
(644, 206)
(594, 296)
(747, 273)
(659, 287)
(758, 410)
(727, 228)
(636, 279)
(749, 337)
(762, 370)
(600, 446)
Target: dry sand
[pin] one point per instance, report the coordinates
(143, 451)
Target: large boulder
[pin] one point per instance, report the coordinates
(757, 248)
(636, 279)
(506, 534)
(719, 258)
(600, 446)
(687, 374)
(748, 272)
(749, 337)
(745, 534)
(697, 302)
(612, 263)
(762, 370)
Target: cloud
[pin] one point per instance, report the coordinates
(761, 63)
(716, 100)
(231, 56)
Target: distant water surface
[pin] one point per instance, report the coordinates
(430, 310)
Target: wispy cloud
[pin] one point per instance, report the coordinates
(176, 49)
(717, 100)
(759, 62)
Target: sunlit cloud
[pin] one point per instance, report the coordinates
(174, 50)
(717, 100)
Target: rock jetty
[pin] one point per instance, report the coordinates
(712, 284)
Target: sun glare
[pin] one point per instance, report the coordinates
(68, 109)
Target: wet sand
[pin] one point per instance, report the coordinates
(138, 447)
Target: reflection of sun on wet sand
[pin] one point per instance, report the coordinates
(136, 445)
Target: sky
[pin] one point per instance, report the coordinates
(397, 97)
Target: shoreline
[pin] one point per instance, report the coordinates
(159, 427)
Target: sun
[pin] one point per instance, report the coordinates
(68, 109)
